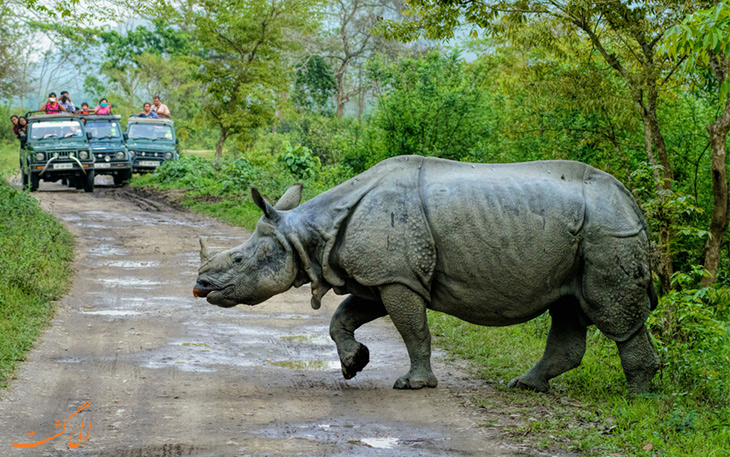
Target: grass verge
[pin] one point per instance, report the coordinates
(587, 409)
(35, 252)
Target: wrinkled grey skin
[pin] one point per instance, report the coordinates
(490, 244)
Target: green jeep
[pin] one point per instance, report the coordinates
(107, 144)
(150, 142)
(56, 147)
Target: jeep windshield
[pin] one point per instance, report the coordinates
(150, 132)
(67, 128)
(104, 129)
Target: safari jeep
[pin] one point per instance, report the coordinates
(151, 142)
(56, 147)
(108, 145)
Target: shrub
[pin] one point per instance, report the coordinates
(299, 161)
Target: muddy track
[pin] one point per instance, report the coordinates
(169, 375)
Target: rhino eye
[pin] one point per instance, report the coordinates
(238, 258)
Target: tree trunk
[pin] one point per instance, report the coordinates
(219, 145)
(340, 86)
(719, 222)
(653, 138)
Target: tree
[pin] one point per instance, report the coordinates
(431, 106)
(314, 84)
(627, 36)
(241, 72)
(703, 38)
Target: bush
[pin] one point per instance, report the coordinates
(189, 171)
(299, 161)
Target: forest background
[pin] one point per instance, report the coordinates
(281, 91)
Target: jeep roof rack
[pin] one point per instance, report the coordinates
(103, 117)
(42, 115)
(149, 120)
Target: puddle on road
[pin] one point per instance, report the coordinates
(311, 365)
(108, 250)
(94, 226)
(131, 282)
(380, 443)
(307, 339)
(113, 312)
(133, 264)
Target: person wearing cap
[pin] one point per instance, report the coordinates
(66, 102)
(52, 106)
(161, 109)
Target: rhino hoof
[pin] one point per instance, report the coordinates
(354, 362)
(413, 383)
(522, 382)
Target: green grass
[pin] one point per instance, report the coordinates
(587, 409)
(35, 251)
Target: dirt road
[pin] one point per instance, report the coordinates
(170, 375)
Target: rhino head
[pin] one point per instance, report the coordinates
(258, 269)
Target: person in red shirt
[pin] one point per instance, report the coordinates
(14, 120)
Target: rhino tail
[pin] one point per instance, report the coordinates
(653, 299)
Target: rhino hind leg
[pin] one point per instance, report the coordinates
(566, 344)
(352, 313)
(407, 310)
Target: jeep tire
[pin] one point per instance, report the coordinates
(35, 180)
(88, 181)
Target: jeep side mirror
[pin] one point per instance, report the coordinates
(126, 136)
(177, 141)
(88, 135)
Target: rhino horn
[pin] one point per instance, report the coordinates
(265, 206)
(291, 198)
(204, 251)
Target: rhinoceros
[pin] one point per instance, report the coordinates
(492, 244)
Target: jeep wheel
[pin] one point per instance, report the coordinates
(35, 181)
(64, 182)
(78, 182)
(119, 180)
(25, 179)
(89, 182)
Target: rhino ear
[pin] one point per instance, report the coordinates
(268, 210)
(291, 198)
(204, 251)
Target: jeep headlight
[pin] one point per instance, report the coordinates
(83, 155)
(168, 156)
(131, 153)
(40, 157)
(120, 155)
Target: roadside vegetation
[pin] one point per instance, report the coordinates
(320, 91)
(35, 253)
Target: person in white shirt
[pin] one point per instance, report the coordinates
(159, 108)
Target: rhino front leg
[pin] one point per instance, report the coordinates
(352, 313)
(408, 311)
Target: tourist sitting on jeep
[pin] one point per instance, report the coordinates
(85, 110)
(52, 106)
(147, 111)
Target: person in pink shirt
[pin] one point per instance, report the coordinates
(52, 106)
(159, 108)
(103, 108)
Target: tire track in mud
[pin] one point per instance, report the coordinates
(169, 375)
